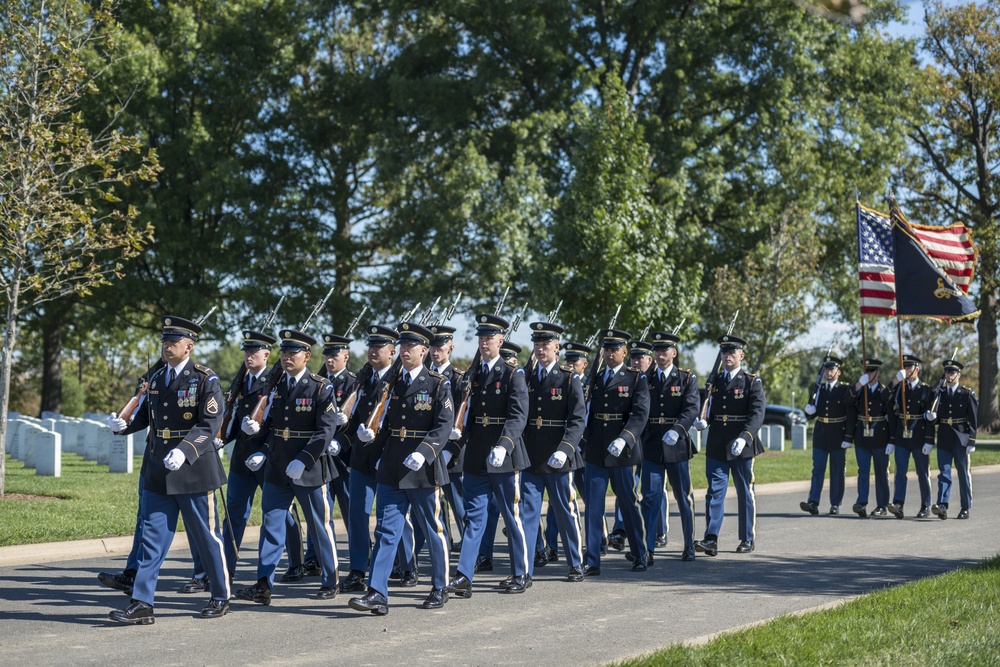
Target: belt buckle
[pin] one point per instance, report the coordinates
(725, 418)
(286, 434)
(538, 422)
(402, 432)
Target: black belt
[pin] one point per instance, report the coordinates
(871, 420)
(538, 422)
(491, 421)
(729, 418)
(167, 434)
(662, 420)
(408, 433)
(286, 434)
(831, 420)
(950, 422)
(609, 416)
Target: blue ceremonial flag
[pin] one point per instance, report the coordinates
(923, 289)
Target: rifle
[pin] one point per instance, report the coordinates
(447, 314)
(349, 402)
(553, 314)
(354, 323)
(645, 332)
(678, 327)
(465, 386)
(429, 312)
(716, 368)
(595, 368)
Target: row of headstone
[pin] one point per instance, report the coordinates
(89, 438)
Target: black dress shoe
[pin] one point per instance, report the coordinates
(353, 583)
(924, 512)
(575, 574)
(120, 582)
(879, 511)
(641, 563)
(860, 510)
(688, 555)
(604, 548)
(616, 540)
(137, 613)
(195, 586)
(518, 584)
(540, 559)
(661, 541)
(506, 581)
(812, 508)
(326, 593)
(311, 568)
(745, 547)
(591, 571)
(215, 609)
(551, 555)
(456, 547)
(374, 602)
(436, 599)
(896, 509)
(409, 579)
(483, 564)
(258, 593)
(940, 511)
(963, 514)
(707, 547)
(835, 509)
(396, 573)
(293, 573)
(460, 586)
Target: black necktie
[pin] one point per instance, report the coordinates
(170, 376)
(249, 382)
(542, 373)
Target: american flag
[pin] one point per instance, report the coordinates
(951, 250)
(876, 276)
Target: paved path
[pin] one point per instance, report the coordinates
(53, 613)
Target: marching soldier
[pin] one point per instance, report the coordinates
(181, 471)
(509, 352)
(442, 345)
(557, 417)
(494, 457)
(956, 418)
(666, 444)
(830, 406)
(641, 359)
(736, 412)
(910, 434)
(298, 427)
(413, 467)
(871, 435)
(619, 408)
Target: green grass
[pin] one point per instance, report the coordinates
(947, 620)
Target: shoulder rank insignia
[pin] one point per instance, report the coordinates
(212, 407)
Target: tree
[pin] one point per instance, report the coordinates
(58, 238)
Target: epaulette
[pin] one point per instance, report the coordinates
(512, 362)
(319, 378)
(751, 376)
(205, 370)
(842, 384)
(435, 374)
(349, 373)
(565, 369)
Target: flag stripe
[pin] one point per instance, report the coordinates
(876, 274)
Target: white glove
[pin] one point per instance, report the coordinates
(930, 416)
(889, 449)
(864, 379)
(845, 445)
(557, 460)
(446, 456)
(414, 461)
(340, 418)
(255, 461)
(365, 434)
(810, 409)
(926, 449)
(670, 438)
(116, 423)
(456, 434)
(497, 456)
(616, 447)
(174, 459)
(700, 424)
(333, 448)
(738, 445)
(218, 443)
(295, 469)
(899, 376)
(970, 449)
(249, 426)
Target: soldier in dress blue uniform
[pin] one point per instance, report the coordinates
(494, 456)
(666, 444)
(640, 357)
(557, 417)
(365, 454)
(956, 420)
(619, 408)
(413, 467)
(181, 471)
(298, 427)
(871, 435)
(736, 413)
(831, 406)
(912, 435)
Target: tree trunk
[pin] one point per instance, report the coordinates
(989, 410)
(6, 355)
(52, 326)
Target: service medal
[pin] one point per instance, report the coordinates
(188, 416)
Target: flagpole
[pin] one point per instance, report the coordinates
(899, 340)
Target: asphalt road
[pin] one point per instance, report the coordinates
(55, 613)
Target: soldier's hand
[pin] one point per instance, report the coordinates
(456, 434)
(700, 424)
(899, 376)
(497, 456)
(340, 418)
(255, 461)
(670, 438)
(174, 459)
(249, 426)
(557, 460)
(616, 447)
(926, 449)
(295, 469)
(845, 445)
(116, 423)
(810, 409)
(218, 443)
(414, 461)
(738, 445)
(889, 449)
(864, 379)
(365, 434)
(930, 415)
(970, 449)
(333, 448)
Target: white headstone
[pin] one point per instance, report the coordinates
(48, 414)
(13, 415)
(695, 436)
(31, 435)
(777, 437)
(96, 441)
(96, 416)
(799, 436)
(15, 437)
(120, 453)
(68, 430)
(765, 436)
(48, 454)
